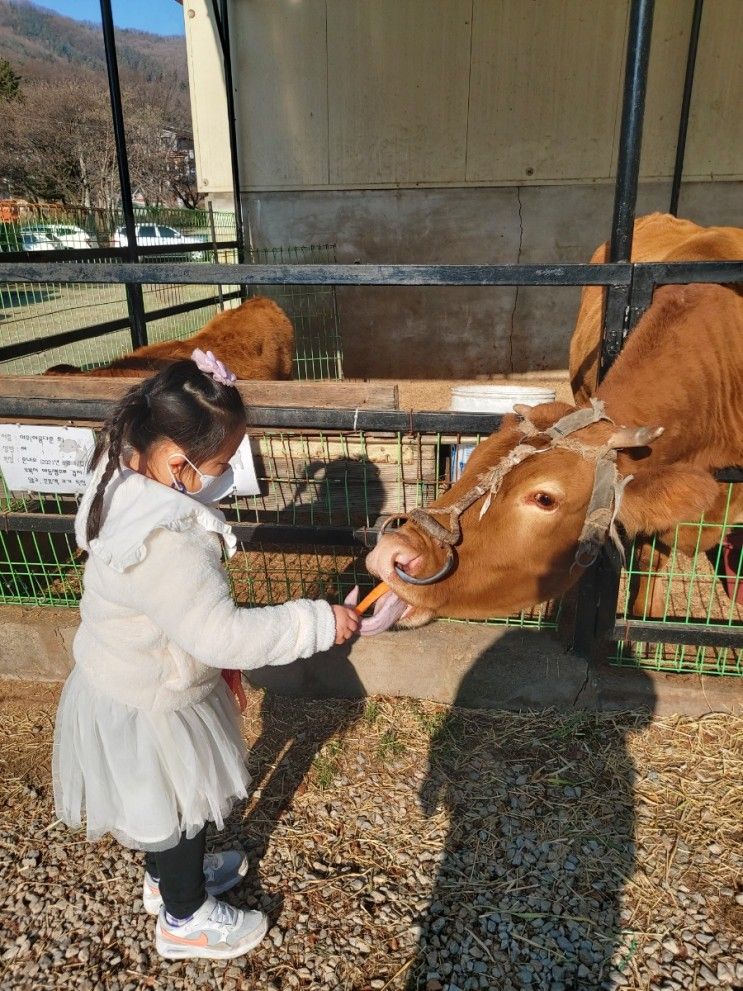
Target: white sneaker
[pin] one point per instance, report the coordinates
(222, 871)
(217, 931)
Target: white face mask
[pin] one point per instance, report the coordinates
(214, 488)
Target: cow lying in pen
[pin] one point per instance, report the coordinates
(540, 497)
(256, 340)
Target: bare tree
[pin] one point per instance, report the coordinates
(59, 145)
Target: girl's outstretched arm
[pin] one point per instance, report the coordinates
(183, 588)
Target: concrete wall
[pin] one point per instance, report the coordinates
(354, 94)
(433, 332)
(473, 665)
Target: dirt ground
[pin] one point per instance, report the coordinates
(407, 846)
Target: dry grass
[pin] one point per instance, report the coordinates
(365, 814)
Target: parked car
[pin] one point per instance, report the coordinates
(68, 235)
(37, 241)
(157, 234)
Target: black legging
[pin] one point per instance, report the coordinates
(180, 871)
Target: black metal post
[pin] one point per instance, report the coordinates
(220, 9)
(213, 230)
(598, 589)
(691, 61)
(134, 297)
(628, 170)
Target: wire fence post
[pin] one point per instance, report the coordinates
(134, 296)
(598, 590)
(212, 228)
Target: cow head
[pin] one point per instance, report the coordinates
(519, 534)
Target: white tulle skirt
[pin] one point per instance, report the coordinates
(146, 777)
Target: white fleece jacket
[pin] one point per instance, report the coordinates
(158, 620)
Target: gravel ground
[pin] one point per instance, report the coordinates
(408, 846)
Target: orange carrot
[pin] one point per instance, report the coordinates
(371, 598)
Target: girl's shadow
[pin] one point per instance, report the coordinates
(289, 744)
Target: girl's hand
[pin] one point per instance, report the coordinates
(346, 623)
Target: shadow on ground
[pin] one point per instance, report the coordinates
(282, 756)
(528, 892)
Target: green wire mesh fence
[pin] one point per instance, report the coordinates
(307, 479)
(702, 589)
(312, 309)
(40, 569)
(313, 479)
(32, 312)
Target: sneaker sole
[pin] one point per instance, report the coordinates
(152, 906)
(171, 952)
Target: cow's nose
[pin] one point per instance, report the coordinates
(410, 569)
(388, 554)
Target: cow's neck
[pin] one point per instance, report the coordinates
(682, 368)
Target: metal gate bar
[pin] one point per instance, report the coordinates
(134, 297)
(610, 274)
(691, 61)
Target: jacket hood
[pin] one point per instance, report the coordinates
(134, 506)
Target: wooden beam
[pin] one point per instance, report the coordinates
(332, 395)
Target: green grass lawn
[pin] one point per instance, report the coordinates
(35, 311)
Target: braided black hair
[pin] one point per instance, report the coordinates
(182, 404)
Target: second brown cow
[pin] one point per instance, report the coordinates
(255, 340)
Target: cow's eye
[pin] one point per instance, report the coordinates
(544, 500)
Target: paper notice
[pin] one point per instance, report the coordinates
(246, 481)
(45, 459)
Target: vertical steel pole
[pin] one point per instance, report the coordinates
(628, 170)
(213, 229)
(220, 10)
(691, 61)
(134, 298)
(600, 583)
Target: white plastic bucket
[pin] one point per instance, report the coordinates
(489, 399)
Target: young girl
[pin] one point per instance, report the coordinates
(147, 735)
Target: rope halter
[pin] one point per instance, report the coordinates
(603, 506)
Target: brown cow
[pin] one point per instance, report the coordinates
(255, 340)
(658, 237)
(675, 399)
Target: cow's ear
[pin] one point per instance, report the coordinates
(656, 501)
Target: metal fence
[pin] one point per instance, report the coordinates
(89, 325)
(326, 476)
(629, 292)
(321, 492)
(698, 600)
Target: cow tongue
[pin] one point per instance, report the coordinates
(387, 610)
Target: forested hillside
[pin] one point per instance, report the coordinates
(40, 44)
(56, 118)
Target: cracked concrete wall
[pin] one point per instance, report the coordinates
(478, 666)
(445, 332)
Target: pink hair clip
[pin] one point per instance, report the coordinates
(206, 362)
